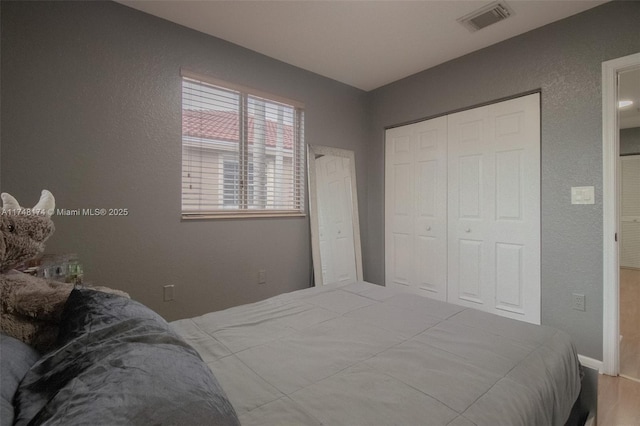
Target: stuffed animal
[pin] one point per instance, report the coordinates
(31, 307)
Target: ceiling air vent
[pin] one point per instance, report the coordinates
(488, 15)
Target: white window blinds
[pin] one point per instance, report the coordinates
(242, 151)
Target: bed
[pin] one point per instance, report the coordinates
(356, 354)
(363, 354)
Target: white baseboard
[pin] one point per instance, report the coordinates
(590, 363)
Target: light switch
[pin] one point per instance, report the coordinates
(168, 293)
(582, 195)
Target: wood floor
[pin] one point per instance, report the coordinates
(630, 323)
(618, 401)
(619, 397)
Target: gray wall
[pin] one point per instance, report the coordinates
(630, 141)
(91, 111)
(564, 60)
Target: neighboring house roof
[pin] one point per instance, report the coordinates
(225, 125)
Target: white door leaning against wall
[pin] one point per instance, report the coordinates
(334, 219)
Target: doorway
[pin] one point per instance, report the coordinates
(629, 193)
(614, 119)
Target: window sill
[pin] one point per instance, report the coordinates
(241, 215)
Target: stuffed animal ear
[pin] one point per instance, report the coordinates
(9, 203)
(47, 203)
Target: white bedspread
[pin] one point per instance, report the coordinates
(363, 354)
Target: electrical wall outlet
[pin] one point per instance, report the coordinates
(167, 292)
(262, 276)
(578, 302)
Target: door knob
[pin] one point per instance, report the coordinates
(467, 230)
(428, 228)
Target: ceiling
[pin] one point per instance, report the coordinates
(362, 43)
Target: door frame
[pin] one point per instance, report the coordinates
(610, 211)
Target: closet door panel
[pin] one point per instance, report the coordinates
(430, 226)
(399, 208)
(517, 207)
(470, 271)
(428, 277)
(509, 279)
(470, 244)
(469, 189)
(415, 207)
(509, 185)
(402, 261)
(494, 200)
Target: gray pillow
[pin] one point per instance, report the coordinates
(119, 363)
(16, 357)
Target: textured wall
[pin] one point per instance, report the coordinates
(91, 111)
(90, 102)
(630, 141)
(564, 60)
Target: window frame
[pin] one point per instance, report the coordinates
(298, 157)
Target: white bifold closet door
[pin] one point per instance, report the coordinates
(416, 208)
(463, 222)
(494, 208)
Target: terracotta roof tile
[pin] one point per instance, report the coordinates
(224, 125)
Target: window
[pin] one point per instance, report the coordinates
(242, 151)
(231, 192)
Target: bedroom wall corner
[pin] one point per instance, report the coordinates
(563, 60)
(90, 102)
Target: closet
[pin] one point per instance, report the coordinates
(630, 211)
(462, 208)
